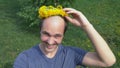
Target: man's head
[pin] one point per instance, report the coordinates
(52, 32)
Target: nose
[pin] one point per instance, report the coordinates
(50, 41)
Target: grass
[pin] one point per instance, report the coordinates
(14, 37)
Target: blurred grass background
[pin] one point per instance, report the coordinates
(14, 37)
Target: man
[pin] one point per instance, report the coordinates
(50, 53)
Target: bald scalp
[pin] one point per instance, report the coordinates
(54, 20)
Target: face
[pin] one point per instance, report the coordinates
(52, 32)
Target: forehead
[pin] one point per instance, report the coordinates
(54, 24)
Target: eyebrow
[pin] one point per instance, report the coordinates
(45, 32)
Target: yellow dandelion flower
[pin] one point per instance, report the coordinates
(46, 11)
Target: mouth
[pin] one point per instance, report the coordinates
(50, 46)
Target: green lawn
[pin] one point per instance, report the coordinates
(14, 37)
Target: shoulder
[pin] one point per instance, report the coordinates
(75, 50)
(71, 48)
(32, 50)
(25, 57)
(76, 53)
(30, 53)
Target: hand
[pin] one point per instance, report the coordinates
(77, 18)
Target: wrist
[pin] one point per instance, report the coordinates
(87, 27)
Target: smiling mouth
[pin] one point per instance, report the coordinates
(50, 46)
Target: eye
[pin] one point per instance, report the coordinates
(44, 33)
(58, 36)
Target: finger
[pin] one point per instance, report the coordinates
(71, 11)
(73, 21)
(68, 9)
(69, 18)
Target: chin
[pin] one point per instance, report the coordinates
(54, 48)
(49, 50)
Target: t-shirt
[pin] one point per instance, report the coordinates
(66, 57)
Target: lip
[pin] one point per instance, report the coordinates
(50, 46)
